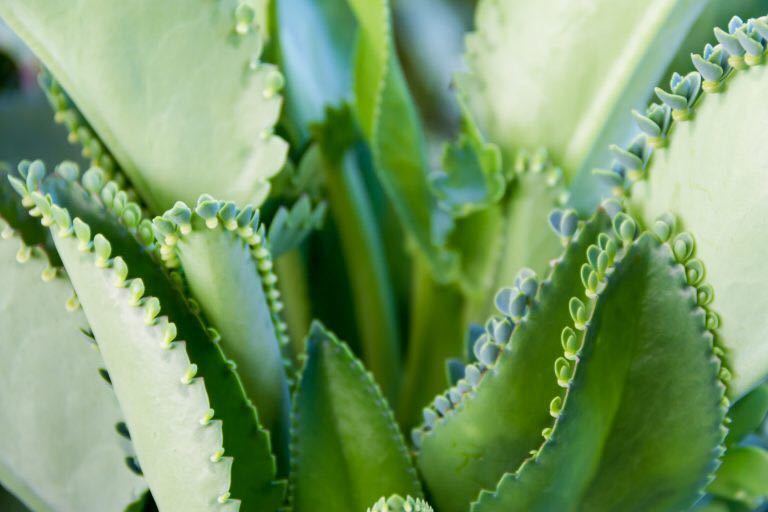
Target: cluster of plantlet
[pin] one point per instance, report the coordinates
(157, 343)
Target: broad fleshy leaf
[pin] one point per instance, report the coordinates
(59, 449)
(347, 450)
(197, 437)
(712, 179)
(229, 271)
(176, 90)
(562, 75)
(643, 364)
(491, 427)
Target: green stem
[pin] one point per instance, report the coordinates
(436, 334)
(292, 276)
(368, 273)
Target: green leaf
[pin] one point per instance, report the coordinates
(166, 388)
(163, 402)
(398, 504)
(59, 449)
(644, 368)
(175, 91)
(712, 179)
(347, 449)
(491, 429)
(18, 220)
(229, 271)
(391, 125)
(143, 504)
(472, 171)
(291, 226)
(743, 476)
(563, 74)
(747, 414)
(496, 243)
(317, 39)
(9, 502)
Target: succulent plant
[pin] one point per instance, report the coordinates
(583, 321)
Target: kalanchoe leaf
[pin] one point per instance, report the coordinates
(649, 282)
(388, 120)
(472, 177)
(341, 424)
(487, 353)
(454, 371)
(50, 375)
(478, 345)
(646, 124)
(520, 386)
(93, 180)
(290, 227)
(398, 504)
(700, 151)
(673, 101)
(742, 477)
(516, 107)
(761, 26)
(568, 223)
(159, 144)
(68, 170)
(515, 226)
(747, 415)
(709, 70)
(627, 158)
(317, 79)
(735, 24)
(729, 42)
(751, 42)
(555, 217)
(135, 339)
(231, 278)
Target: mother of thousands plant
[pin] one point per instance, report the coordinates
(168, 360)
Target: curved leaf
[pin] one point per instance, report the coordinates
(398, 504)
(390, 123)
(712, 179)
(291, 226)
(347, 450)
(644, 364)
(561, 74)
(743, 477)
(490, 429)
(747, 414)
(18, 220)
(316, 51)
(59, 448)
(512, 234)
(229, 271)
(166, 388)
(174, 89)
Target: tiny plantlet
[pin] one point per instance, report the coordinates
(255, 286)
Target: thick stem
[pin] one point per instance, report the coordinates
(292, 276)
(371, 285)
(436, 334)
